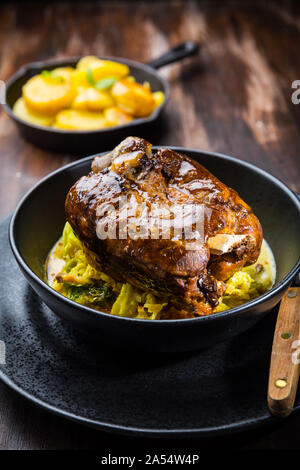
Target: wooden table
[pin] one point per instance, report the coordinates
(234, 98)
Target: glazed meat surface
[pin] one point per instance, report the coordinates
(189, 272)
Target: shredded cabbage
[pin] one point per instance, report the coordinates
(87, 285)
(83, 283)
(248, 283)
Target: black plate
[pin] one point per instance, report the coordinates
(85, 142)
(215, 391)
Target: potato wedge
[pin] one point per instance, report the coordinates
(133, 98)
(48, 94)
(90, 99)
(22, 111)
(79, 120)
(114, 116)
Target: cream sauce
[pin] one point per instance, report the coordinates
(54, 264)
(267, 260)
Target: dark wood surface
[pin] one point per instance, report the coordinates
(234, 98)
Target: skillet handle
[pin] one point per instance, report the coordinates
(285, 367)
(179, 52)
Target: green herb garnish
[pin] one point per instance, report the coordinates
(103, 84)
(89, 76)
(50, 74)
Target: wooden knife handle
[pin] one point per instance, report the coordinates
(284, 368)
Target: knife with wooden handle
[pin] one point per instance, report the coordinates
(285, 360)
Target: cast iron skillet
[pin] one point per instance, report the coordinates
(39, 219)
(91, 141)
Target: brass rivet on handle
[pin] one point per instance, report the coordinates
(281, 383)
(286, 335)
(292, 294)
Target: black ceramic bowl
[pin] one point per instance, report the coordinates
(39, 219)
(90, 141)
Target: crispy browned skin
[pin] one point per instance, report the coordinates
(193, 279)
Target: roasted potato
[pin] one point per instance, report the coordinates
(116, 117)
(48, 94)
(90, 99)
(65, 72)
(94, 70)
(108, 68)
(97, 93)
(159, 97)
(133, 98)
(24, 112)
(85, 62)
(79, 120)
